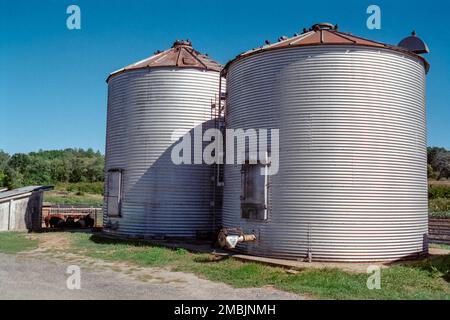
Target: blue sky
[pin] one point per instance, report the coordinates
(52, 80)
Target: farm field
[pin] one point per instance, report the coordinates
(92, 194)
(76, 194)
(439, 198)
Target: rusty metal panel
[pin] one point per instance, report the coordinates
(352, 183)
(145, 107)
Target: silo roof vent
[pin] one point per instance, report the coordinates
(180, 55)
(414, 44)
(179, 43)
(323, 26)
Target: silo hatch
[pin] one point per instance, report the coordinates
(114, 196)
(254, 191)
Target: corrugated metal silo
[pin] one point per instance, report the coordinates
(352, 181)
(146, 194)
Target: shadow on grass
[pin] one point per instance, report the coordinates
(438, 265)
(66, 229)
(176, 247)
(101, 239)
(211, 258)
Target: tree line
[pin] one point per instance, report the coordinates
(50, 167)
(79, 165)
(438, 163)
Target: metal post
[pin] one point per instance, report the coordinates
(9, 214)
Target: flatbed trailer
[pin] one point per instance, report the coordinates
(59, 217)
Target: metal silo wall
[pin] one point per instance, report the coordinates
(352, 183)
(144, 108)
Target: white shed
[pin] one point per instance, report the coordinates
(21, 209)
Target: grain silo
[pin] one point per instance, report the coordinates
(151, 105)
(352, 181)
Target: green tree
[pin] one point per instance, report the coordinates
(19, 162)
(439, 160)
(50, 167)
(4, 157)
(13, 179)
(430, 172)
(38, 171)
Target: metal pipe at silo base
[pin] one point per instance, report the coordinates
(231, 237)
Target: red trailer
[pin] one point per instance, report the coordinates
(58, 216)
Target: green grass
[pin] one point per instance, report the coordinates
(439, 205)
(14, 242)
(436, 191)
(440, 214)
(439, 198)
(440, 246)
(82, 187)
(76, 194)
(71, 198)
(426, 279)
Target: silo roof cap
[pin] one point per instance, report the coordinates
(180, 55)
(322, 34)
(414, 44)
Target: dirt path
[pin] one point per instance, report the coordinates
(39, 274)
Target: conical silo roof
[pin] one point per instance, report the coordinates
(180, 55)
(322, 34)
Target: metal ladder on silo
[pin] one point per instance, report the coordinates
(218, 116)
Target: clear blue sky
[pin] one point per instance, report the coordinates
(52, 80)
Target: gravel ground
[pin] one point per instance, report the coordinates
(38, 277)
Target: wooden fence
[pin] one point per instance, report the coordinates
(439, 230)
